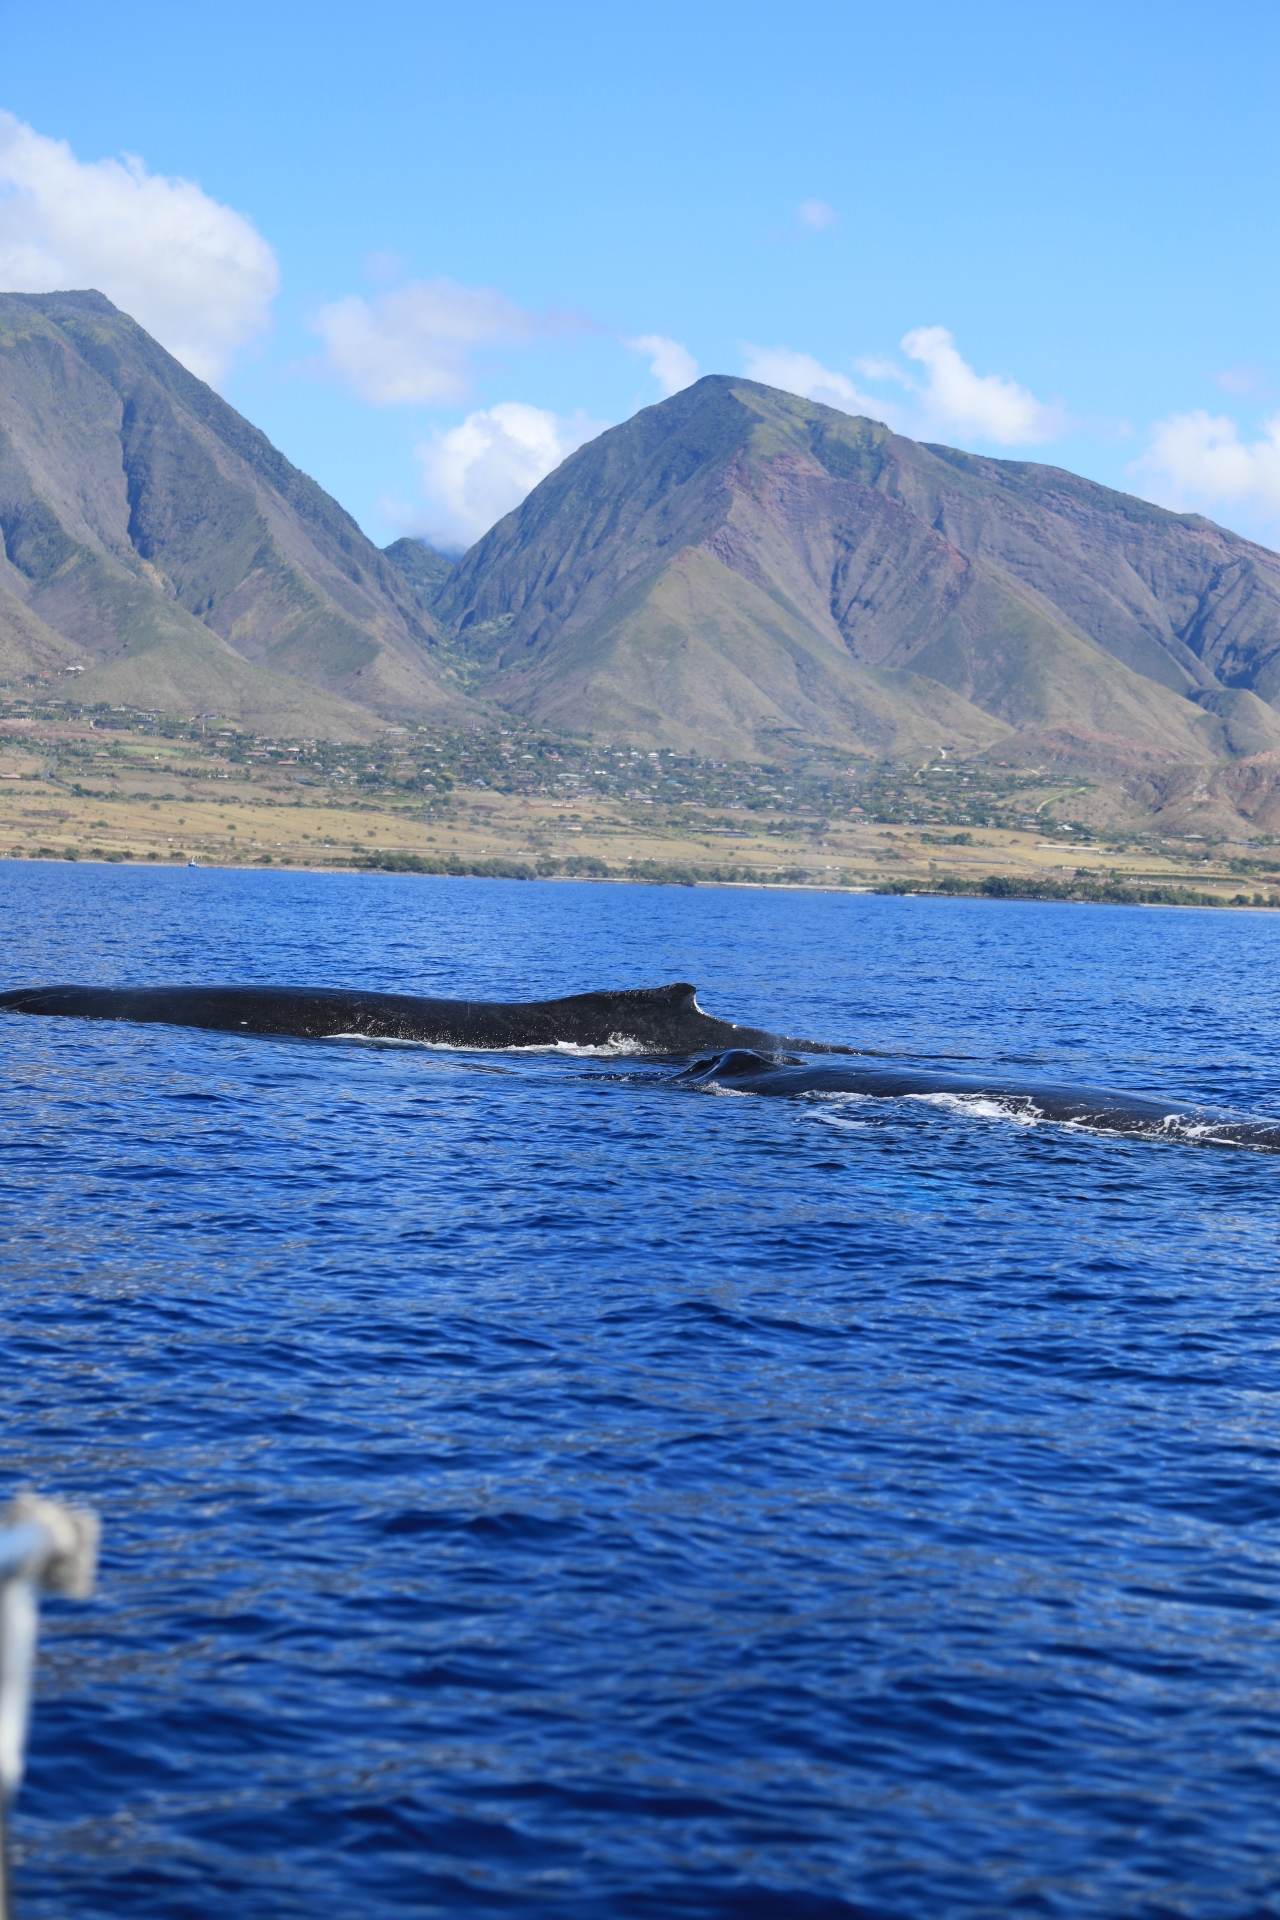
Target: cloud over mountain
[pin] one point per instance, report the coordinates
(414, 345)
(952, 397)
(987, 404)
(672, 365)
(1198, 460)
(197, 275)
(801, 373)
(477, 472)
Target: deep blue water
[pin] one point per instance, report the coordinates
(531, 1489)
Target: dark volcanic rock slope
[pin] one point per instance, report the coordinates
(737, 562)
(155, 538)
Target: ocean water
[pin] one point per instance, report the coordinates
(532, 1489)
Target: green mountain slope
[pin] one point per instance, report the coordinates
(425, 570)
(737, 561)
(696, 656)
(144, 519)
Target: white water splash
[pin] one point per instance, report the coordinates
(829, 1105)
(981, 1106)
(617, 1046)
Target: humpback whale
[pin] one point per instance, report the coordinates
(660, 1022)
(748, 1070)
(652, 1020)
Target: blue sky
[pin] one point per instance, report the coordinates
(413, 243)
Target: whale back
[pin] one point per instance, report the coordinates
(1099, 1110)
(655, 1020)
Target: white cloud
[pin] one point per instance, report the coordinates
(384, 267)
(988, 404)
(415, 344)
(672, 366)
(1198, 462)
(477, 472)
(816, 214)
(953, 398)
(1246, 383)
(801, 373)
(874, 366)
(193, 273)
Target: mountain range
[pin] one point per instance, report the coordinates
(733, 570)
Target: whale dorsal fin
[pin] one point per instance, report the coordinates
(680, 997)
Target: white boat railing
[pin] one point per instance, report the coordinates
(44, 1548)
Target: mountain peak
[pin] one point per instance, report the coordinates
(155, 538)
(736, 560)
(80, 300)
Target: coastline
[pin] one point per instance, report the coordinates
(1185, 899)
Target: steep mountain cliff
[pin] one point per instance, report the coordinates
(737, 563)
(156, 539)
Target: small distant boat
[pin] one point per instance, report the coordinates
(193, 862)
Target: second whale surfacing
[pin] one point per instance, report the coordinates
(744, 1070)
(643, 1020)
